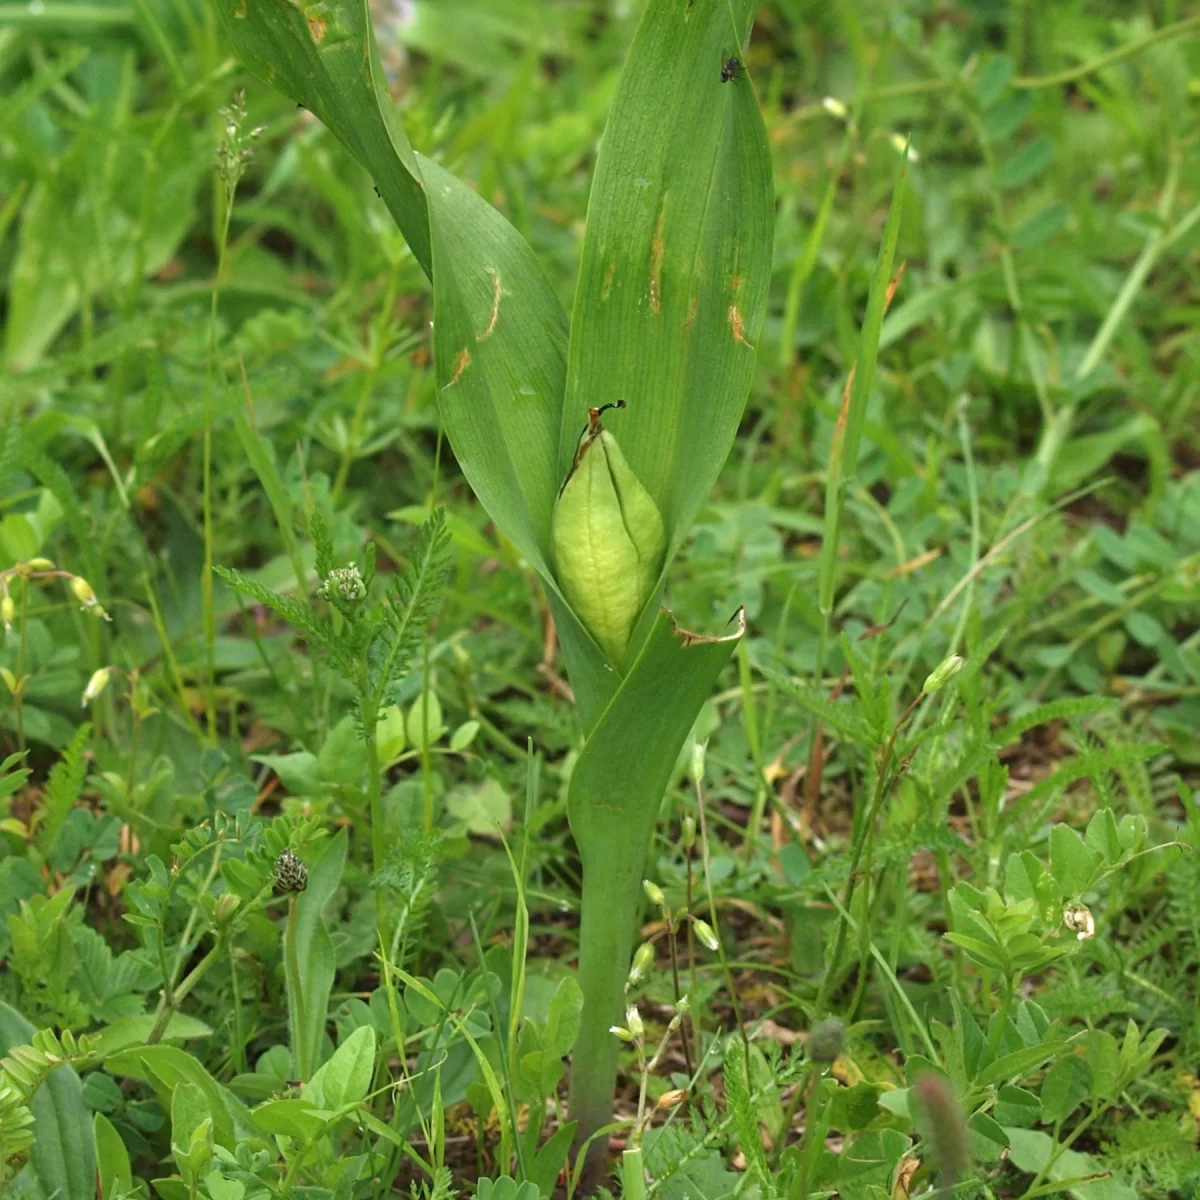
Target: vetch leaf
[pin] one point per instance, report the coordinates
(1041, 227)
(1026, 163)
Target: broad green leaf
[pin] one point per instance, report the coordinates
(323, 55)
(484, 809)
(133, 1031)
(1065, 1087)
(314, 952)
(676, 258)
(1030, 1151)
(168, 1067)
(112, 1159)
(424, 724)
(1072, 860)
(871, 1159)
(500, 345)
(191, 1130)
(291, 1117)
(1104, 1059)
(346, 1076)
(1019, 1062)
(62, 1163)
(612, 803)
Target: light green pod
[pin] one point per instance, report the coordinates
(609, 541)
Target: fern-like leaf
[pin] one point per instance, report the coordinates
(63, 788)
(412, 602)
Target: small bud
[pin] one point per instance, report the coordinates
(95, 685)
(947, 1126)
(227, 904)
(654, 893)
(688, 832)
(82, 591)
(672, 1098)
(704, 931)
(10, 680)
(1078, 917)
(699, 750)
(633, 1020)
(291, 875)
(344, 586)
(621, 1032)
(40, 564)
(8, 611)
(834, 107)
(825, 1040)
(943, 673)
(642, 961)
(609, 540)
(683, 1005)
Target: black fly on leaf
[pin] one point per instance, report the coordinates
(731, 68)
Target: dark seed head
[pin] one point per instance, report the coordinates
(825, 1040)
(291, 875)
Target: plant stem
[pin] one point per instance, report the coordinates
(167, 1009)
(296, 992)
(610, 904)
(18, 702)
(864, 843)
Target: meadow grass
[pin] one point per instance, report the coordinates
(294, 893)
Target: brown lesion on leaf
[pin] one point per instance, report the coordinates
(606, 286)
(657, 253)
(240, 12)
(735, 323)
(497, 292)
(693, 308)
(735, 284)
(464, 361)
(316, 26)
(686, 639)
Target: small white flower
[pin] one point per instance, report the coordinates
(1079, 918)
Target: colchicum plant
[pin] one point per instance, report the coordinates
(657, 359)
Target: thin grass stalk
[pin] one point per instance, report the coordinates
(847, 436)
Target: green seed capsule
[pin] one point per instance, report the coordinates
(609, 540)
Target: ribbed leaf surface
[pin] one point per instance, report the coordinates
(677, 256)
(500, 345)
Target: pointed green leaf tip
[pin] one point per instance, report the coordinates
(609, 540)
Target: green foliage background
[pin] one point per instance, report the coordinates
(1023, 492)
